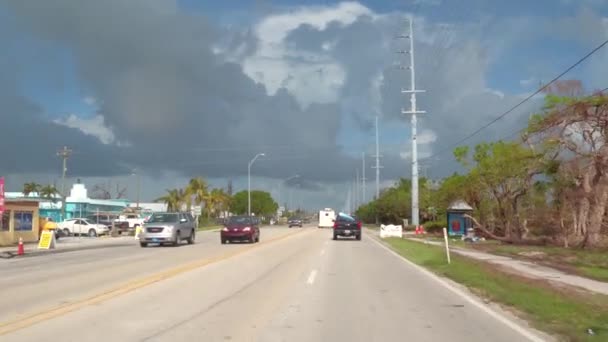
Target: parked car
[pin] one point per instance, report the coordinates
(109, 220)
(345, 225)
(294, 222)
(170, 228)
(241, 228)
(82, 226)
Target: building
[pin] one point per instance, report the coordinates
(20, 219)
(78, 204)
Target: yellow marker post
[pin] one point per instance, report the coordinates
(137, 232)
(47, 240)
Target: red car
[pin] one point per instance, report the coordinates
(241, 228)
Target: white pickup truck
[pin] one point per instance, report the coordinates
(134, 220)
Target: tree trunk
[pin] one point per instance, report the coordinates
(596, 217)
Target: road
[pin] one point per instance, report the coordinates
(297, 285)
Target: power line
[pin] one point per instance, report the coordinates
(528, 98)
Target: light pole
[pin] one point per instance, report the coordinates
(249, 181)
(136, 173)
(287, 180)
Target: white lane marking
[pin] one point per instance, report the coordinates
(322, 251)
(529, 335)
(311, 277)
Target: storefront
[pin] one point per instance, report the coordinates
(19, 220)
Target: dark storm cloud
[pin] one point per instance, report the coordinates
(163, 89)
(29, 142)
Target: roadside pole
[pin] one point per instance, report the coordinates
(447, 248)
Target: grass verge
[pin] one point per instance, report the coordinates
(204, 228)
(565, 312)
(592, 264)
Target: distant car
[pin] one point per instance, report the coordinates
(81, 226)
(241, 228)
(294, 222)
(345, 225)
(171, 228)
(110, 220)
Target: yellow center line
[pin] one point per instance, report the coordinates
(45, 315)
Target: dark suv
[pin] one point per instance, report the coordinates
(294, 222)
(345, 225)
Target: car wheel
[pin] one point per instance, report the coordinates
(223, 241)
(257, 239)
(335, 237)
(177, 240)
(252, 238)
(192, 237)
(143, 244)
(66, 232)
(359, 237)
(92, 233)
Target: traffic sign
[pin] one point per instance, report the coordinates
(47, 240)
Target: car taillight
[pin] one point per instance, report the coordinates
(359, 224)
(335, 224)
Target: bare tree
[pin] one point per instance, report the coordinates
(104, 191)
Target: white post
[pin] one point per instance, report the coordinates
(447, 248)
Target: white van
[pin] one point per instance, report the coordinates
(326, 218)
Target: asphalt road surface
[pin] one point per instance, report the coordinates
(296, 285)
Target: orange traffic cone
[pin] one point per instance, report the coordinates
(20, 249)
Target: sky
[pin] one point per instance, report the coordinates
(173, 89)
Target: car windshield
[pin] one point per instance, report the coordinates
(239, 220)
(164, 218)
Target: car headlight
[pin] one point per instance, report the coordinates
(169, 228)
(246, 229)
(225, 229)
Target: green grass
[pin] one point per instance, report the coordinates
(210, 227)
(587, 263)
(567, 313)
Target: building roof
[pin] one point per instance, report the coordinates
(460, 205)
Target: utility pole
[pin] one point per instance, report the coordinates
(377, 167)
(363, 197)
(377, 156)
(64, 154)
(357, 189)
(413, 112)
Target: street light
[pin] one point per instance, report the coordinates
(135, 173)
(287, 180)
(249, 181)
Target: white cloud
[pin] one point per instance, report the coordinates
(90, 100)
(94, 126)
(309, 77)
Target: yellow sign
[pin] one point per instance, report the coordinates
(47, 240)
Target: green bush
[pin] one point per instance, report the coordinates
(434, 227)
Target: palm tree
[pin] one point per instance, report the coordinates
(31, 187)
(197, 189)
(173, 199)
(216, 200)
(48, 192)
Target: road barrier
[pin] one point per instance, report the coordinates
(391, 231)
